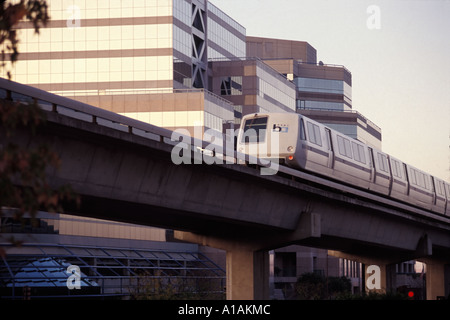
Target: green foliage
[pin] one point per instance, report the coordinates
(373, 296)
(11, 14)
(24, 188)
(23, 185)
(160, 287)
(314, 286)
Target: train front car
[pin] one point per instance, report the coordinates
(268, 136)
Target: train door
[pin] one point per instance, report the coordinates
(408, 182)
(372, 165)
(330, 149)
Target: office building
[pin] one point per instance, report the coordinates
(115, 55)
(323, 91)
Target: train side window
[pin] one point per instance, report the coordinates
(341, 145)
(382, 160)
(345, 148)
(362, 153)
(401, 174)
(314, 134)
(413, 177)
(426, 182)
(302, 130)
(358, 153)
(396, 169)
(419, 179)
(440, 187)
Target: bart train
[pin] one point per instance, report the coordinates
(302, 143)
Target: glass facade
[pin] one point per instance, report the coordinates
(226, 37)
(96, 45)
(323, 86)
(325, 94)
(182, 44)
(277, 92)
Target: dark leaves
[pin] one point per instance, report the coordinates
(33, 11)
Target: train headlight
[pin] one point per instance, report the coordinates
(290, 148)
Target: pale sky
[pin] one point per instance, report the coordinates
(400, 66)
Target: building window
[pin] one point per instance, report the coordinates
(285, 264)
(231, 86)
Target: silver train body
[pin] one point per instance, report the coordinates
(305, 144)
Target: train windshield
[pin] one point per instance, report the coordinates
(254, 130)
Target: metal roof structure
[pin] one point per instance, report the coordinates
(104, 272)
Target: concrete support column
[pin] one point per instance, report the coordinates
(247, 274)
(435, 278)
(247, 267)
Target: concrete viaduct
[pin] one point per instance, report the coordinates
(122, 170)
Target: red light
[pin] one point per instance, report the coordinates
(291, 158)
(411, 294)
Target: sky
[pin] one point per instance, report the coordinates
(398, 52)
